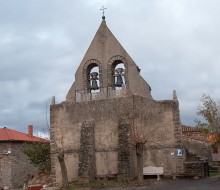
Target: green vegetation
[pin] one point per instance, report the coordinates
(211, 174)
(39, 155)
(209, 110)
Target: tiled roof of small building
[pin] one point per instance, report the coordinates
(190, 129)
(193, 133)
(12, 135)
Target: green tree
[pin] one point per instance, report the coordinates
(209, 110)
(39, 155)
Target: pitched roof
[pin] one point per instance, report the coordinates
(104, 51)
(12, 135)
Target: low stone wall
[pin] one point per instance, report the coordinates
(202, 150)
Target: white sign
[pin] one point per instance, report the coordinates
(179, 152)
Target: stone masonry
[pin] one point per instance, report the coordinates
(87, 164)
(112, 152)
(95, 127)
(15, 168)
(124, 158)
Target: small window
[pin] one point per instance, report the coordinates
(215, 150)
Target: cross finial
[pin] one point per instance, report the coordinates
(103, 12)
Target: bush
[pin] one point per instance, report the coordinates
(39, 155)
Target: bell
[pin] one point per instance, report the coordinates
(119, 81)
(119, 74)
(94, 85)
(94, 78)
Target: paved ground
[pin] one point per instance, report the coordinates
(190, 184)
(212, 183)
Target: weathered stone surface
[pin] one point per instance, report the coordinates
(87, 162)
(105, 148)
(124, 159)
(111, 135)
(15, 168)
(106, 55)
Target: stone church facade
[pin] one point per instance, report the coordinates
(107, 102)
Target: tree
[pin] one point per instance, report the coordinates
(61, 158)
(139, 138)
(39, 155)
(59, 149)
(209, 110)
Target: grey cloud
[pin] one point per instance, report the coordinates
(175, 43)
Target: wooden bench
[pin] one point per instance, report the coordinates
(152, 170)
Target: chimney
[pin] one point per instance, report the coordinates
(30, 130)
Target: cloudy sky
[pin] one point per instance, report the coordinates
(176, 43)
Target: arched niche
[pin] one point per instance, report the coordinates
(89, 67)
(114, 63)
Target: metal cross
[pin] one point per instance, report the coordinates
(103, 11)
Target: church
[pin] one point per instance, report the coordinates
(109, 106)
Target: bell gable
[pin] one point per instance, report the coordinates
(106, 70)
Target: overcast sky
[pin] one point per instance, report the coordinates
(176, 43)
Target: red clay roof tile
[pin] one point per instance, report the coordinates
(12, 135)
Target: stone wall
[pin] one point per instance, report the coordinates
(21, 167)
(164, 156)
(105, 51)
(124, 151)
(15, 168)
(195, 142)
(5, 165)
(201, 149)
(161, 119)
(113, 154)
(66, 122)
(197, 149)
(87, 163)
(193, 133)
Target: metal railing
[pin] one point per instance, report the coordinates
(102, 93)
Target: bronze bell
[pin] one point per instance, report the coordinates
(119, 74)
(93, 79)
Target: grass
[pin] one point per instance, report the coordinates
(213, 173)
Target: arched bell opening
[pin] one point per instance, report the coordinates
(93, 78)
(92, 75)
(117, 72)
